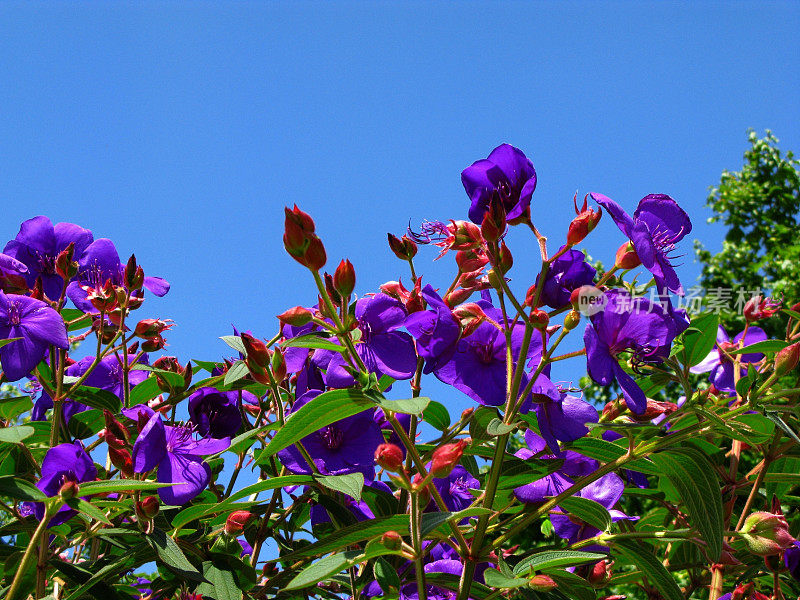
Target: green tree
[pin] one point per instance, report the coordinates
(759, 206)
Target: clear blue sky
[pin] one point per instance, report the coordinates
(180, 130)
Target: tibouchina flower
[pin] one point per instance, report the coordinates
(506, 173)
(656, 226)
(178, 456)
(719, 362)
(215, 413)
(39, 243)
(62, 463)
(567, 273)
(36, 324)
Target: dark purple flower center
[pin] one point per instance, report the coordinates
(47, 263)
(460, 489)
(95, 276)
(664, 242)
(181, 435)
(332, 437)
(484, 352)
(14, 313)
(430, 232)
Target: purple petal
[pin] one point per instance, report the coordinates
(618, 215)
(190, 473)
(634, 396)
(157, 285)
(66, 233)
(150, 446)
(663, 216)
(394, 353)
(754, 335)
(599, 362)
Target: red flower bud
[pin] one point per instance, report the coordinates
(278, 365)
(255, 349)
(150, 328)
(626, 257)
(389, 457)
(466, 415)
(297, 316)
(344, 279)
(585, 221)
(237, 521)
(154, 344)
(766, 533)
(472, 260)
(133, 275)
(66, 268)
(760, 308)
(457, 296)
(69, 490)
(424, 493)
(446, 457)
(600, 574)
(121, 459)
(465, 235)
(786, 359)
(148, 507)
(539, 318)
(542, 583)
(493, 226)
(300, 241)
(392, 540)
(404, 248)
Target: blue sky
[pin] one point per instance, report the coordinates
(181, 130)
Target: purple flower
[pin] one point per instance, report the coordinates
(567, 273)
(436, 330)
(506, 173)
(215, 413)
(657, 225)
(478, 366)
(10, 264)
(383, 349)
(100, 263)
(627, 324)
(360, 510)
(346, 446)
(455, 489)
(38, 326)
(62, 463)
(178, 456)
(563, 418)
(39, 243)
(720, 364)
(791, 558)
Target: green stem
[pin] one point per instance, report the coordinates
(29, 555)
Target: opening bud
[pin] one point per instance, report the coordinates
(626, 257)
(121, 459)
(69, 490)
(134, 275)
(786, 359)
(389, 457)
(154, 344)
(493, 226)
(297, 316)
(344, 279)
(148, 508)
(760, 308)
(65, 267)
(542, 583)
(585, 221)
(446, 457)
(766, 533)
(150, 328)
(237, 521)
(404, 248)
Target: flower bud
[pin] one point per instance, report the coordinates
(653, 409)
(506, 259)
(493, 226)
(389, 457)
(344, 279)
(297, 316)
(150, 328)
(457, 296)
(278, 365)
(115, 433)
(542, 583)
(237, 521)
(626, 257)
(121, 459)
(69, 490)
(539, 319)
(424, 493)
(66, 268)
(148, 507)
(315, 257)
(154, 344)
(392, 540)
(256, 350)
(471, 260)
(786, 359)
(446, 457)
(600, 574)
(585, 221)
(404, 248)
(467, 413)
(465, 234)
(300, 241)
(133, 275)
(335, 297)
(572, 320)
(766, 533)
(760, 308)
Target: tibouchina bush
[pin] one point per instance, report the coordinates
(322, 463)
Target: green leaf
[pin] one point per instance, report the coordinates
(699, 491)
(644, 559)
(320, 412)
(480, 421)
(19, 489)
(433, 520)
(144, 391)
(313, 341)
(496, 579)
(598, 449)
(354, 534)
(14, 435)
(700, 338)
(409, 406)
(754, 429)
(792, 313)
(88, 509)
(588, 511)
(572, 586)
(350, 484)
(235, 342)
(386, 576)
(782, 464)
(96, 398)
(497, 427)
(437, 416)
(762, 347)
(517, 472)
(118, 486)
(477, 591)
(87, 423)
(169, 552)
(11, 408)
(551, 559)
(7, 341)
(243, 441)
(220, 582)
(745, 383)
(237, 371)
(323, 568)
